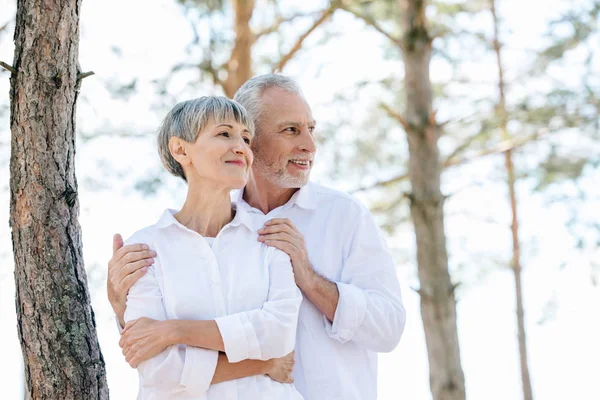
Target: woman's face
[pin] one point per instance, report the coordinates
(221, 153)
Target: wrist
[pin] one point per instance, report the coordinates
(171, 332)
(306, 280)
(267, 366)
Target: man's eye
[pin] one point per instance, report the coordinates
(311, 129)
(291, 129)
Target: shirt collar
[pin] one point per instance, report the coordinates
(304, 198)
(241, 218)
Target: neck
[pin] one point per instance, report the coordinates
(207, 208)
(264, 195)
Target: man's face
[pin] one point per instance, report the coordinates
(284, 146)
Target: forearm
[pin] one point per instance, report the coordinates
(227, 371)
(204, 334)
(321, 292)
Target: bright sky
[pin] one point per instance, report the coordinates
(563, 349)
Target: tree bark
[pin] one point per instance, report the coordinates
(512, 197)
(239, 66)
(438, 304)
(56, 324)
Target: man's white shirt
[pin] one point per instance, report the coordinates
(338, 361)
(247, 287)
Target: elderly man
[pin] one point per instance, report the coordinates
(352, 307)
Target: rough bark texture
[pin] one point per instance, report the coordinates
(56, 323)
(511, 180)
(239, 67)
(438, 305)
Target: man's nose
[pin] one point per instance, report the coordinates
(307, 142)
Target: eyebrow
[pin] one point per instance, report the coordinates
(296, 124)
(231, 127)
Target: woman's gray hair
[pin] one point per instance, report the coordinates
(188, 118)
(249, 95)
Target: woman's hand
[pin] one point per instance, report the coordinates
(281, 369)
(143, 339)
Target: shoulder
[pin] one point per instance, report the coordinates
(339, 200)
(142, 236)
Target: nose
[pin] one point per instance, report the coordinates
(240, 147)
(307, 142)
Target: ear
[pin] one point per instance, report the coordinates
(178, 150)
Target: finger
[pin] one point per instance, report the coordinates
(284, 221)
(279, 229)
(135, 256)
(134, 266)
(129, 325)
(117, 243)
(281, 245)
(283, 236)
(129, 280)
(118, 274)
(123, 251)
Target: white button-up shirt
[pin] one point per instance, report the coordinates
(247, 287)
(338, 361)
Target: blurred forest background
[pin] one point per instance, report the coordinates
(515, 100)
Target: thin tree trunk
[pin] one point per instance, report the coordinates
(438, 304)
(511, 179)
(55, 320)
(239, 67)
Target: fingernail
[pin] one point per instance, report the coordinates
(153, 253)
(145, 247)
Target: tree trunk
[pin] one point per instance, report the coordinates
(438, 305)
(511, 179)
(239, 66)
(56, 323)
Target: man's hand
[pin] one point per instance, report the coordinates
(126, 266)
(281, 369)
(143, 339)
(283, 234)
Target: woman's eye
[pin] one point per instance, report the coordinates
(225, 133)
(247, 140)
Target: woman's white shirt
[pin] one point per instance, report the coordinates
(245, 286)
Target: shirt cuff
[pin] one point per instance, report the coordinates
(349, 314)
(198, 369)
(239, 337)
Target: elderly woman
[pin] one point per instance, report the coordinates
(209, 269)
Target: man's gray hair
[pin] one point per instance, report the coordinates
(188, 118)
(249, 95)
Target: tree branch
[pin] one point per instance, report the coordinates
(278, 22)
(84, 75)
(5, 26)
(372, 23)
(8, 67)
(298, 45)
(501, 147)
(398, 117)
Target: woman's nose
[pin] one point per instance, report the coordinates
(240, 147)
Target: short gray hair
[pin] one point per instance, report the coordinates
(249, 95)
(188, 118)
